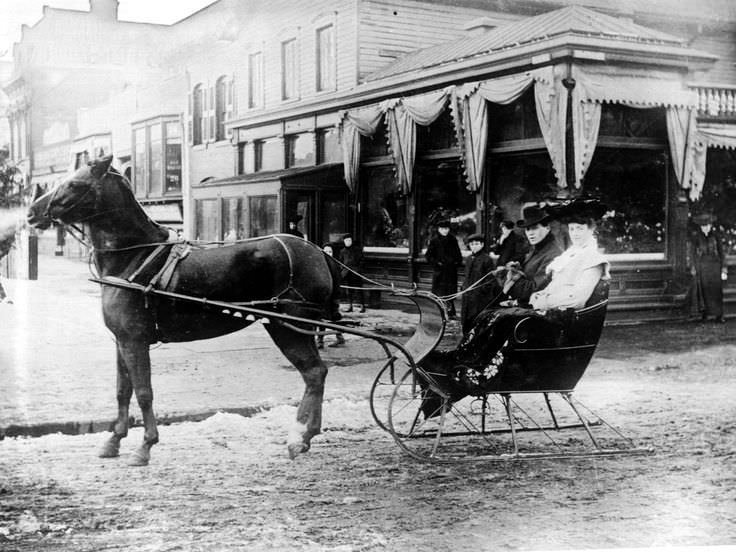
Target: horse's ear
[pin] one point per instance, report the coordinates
(100, 166)
(37, 192)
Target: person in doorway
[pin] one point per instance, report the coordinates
(293, 227)
(532, 275)
(510, 246)
(708, 267)
(443, 254)
(351, 257)
(479, 287)
(339, 338)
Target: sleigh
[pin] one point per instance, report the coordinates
(531, 394)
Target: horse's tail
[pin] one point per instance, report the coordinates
(333, 310)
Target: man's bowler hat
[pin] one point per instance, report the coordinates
(534, 214)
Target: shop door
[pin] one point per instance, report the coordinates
(300, 206)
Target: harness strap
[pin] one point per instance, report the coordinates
(290, 287)
(162, 279)
(146, 262)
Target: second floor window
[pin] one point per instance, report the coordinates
(157, 158)
(221, 107)
(300, 150)
(255, 80)
(326, 58)
(288, 70)
(198, 115)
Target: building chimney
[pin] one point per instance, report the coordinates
(104, 9)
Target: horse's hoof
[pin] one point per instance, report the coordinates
(295, 449)
(111, 449)
(140, 457)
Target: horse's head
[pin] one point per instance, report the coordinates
(74, 200)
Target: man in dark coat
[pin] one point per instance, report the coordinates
(532, 275)
(443, 253)
(510, 246)
(477, 267)
(708, 267)
(351, 256)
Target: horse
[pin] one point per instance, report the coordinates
(286, 273)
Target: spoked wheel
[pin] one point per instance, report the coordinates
(382, 389)
(430, 427)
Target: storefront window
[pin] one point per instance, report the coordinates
(139, 161)
(440, 135)
(328, 146)
(232, 224)
(207, 217)
(376, 145)
(333, 215)
(269, 155)
(155, 155)
(442, 193)
(631, 183)
(518, 179)
(173, 157)
(515, 121)
(719, 194)
(300, 150)
(385, 210)
(262, 211)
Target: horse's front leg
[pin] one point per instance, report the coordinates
(111, 448)
(301, 351)
(136, 357)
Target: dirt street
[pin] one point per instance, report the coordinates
(226, 483)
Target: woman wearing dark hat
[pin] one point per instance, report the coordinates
(443, 253)
(708, 267)
(478, 289)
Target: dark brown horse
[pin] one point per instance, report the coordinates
(128, 246)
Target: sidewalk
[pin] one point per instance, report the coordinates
(57, 361)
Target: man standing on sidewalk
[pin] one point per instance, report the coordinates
(7, 237)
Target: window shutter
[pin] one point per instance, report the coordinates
(190, 119)
(229, 105)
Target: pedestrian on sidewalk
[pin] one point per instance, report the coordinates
(352, 257)
(708, 268)
(339, 339)
(478, 266)
(443, 254)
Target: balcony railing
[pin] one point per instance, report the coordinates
(716, 100)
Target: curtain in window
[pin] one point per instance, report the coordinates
(643, 89)
(471, 116)
(354, 124)
(402, 118)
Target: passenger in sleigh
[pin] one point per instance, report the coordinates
(573, 278)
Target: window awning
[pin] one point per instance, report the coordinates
(165, 212)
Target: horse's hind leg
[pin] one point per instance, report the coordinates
(111, 448)
(301, 351)
(136, 357)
